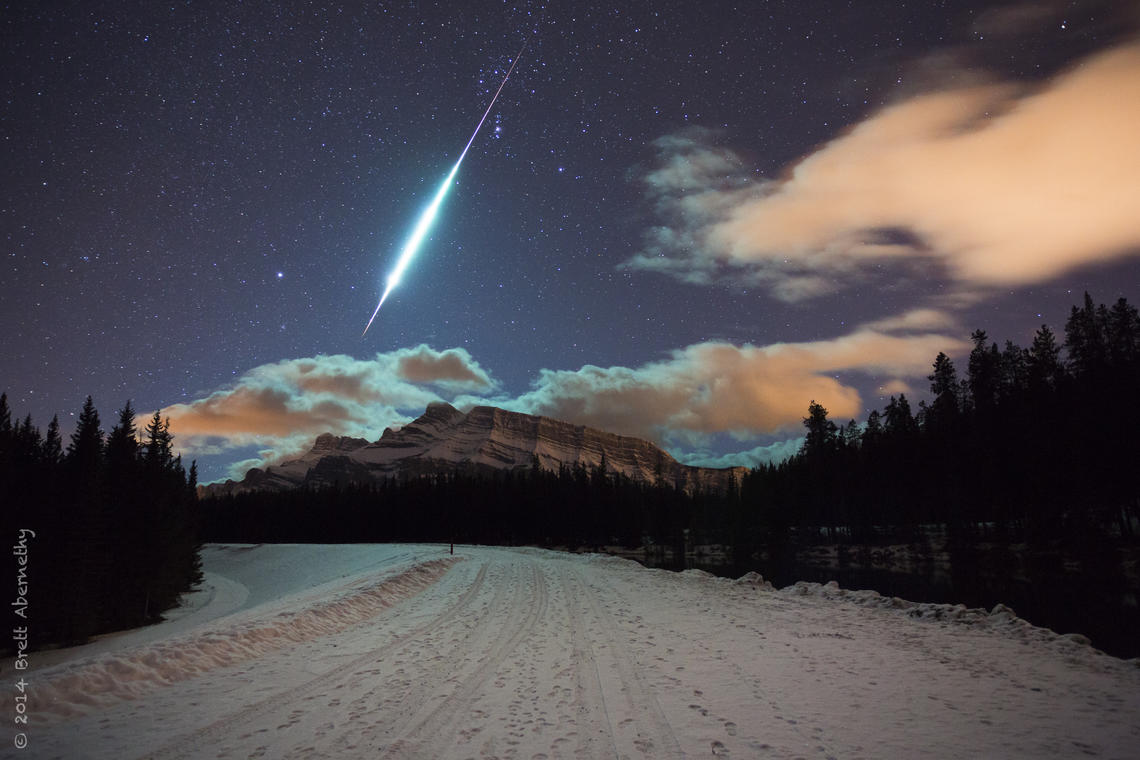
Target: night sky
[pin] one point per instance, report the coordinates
(681, 220)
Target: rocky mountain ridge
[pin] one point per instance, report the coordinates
(443, 439)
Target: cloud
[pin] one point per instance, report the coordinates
(915, 320)
(716, 387)
(454, 368)
(683, 402)
(1010, 20)
(283, 406)
(895, 387)
(767, 454)
(988, 184)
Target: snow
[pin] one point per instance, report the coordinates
(407, 652)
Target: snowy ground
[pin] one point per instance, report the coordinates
(405, 652)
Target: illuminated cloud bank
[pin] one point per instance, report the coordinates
(993, 184)
(281, 407)
(702, 390)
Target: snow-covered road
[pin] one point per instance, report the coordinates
(407, 652)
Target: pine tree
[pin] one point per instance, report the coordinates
(898, 419)
(53, 443)
(1044, 360)
(1014, 371)
(1123, 327)
(944, 409)
(86, 449)
(984, 373)
(28, 443)
(130, 521)
(87, 543)
(1085, 338)
(122, 443)
(873, 431)
(5, 416)
(821, 432)
(159, 449)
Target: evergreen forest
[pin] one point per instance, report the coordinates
(108, 524)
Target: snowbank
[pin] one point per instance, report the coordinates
(1000, 618)
(72, 689)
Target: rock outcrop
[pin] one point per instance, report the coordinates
(443, 439)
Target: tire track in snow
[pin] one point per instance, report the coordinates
(422, 670)
(433, 732)
(595, 728)
(190, 744)
(642, 726)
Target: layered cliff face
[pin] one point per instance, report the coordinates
(444, 438)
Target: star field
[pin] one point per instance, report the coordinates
(193, 190)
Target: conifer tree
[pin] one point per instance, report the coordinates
(86, 449)
(1085, 338)
(1014, 371)
(872, 430)
(944, 409)
(984, 373)
(1123, 327)
(87, 541)
(1043, 359)
(53, 443)
(821, 432)
(5, 415)
(28, 442)
(122, 442)
(159, 449)
(898, 420)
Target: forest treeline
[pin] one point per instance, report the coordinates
(1031, 445)
(106, 526)
(574, 506)
(1034, 444)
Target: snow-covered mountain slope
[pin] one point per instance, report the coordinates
(524, 653)
(485, 437)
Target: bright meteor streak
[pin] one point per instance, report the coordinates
(429, 214)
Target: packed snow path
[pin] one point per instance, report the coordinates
(532, 654)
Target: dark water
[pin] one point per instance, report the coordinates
(1105, 611)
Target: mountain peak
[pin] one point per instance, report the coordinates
(327, 442)
(439, 410)
(485, 438)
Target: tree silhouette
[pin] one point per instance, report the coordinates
(116, 539)
(821, 435)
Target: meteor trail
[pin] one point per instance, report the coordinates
(429, 214)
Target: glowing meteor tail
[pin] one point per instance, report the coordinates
(428, 216)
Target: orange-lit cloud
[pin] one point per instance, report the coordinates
(283, 406)
(744, 390)
(453, 367)
(990, 185)
(699, 391)
(916, 320)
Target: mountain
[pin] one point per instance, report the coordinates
(443, 439)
